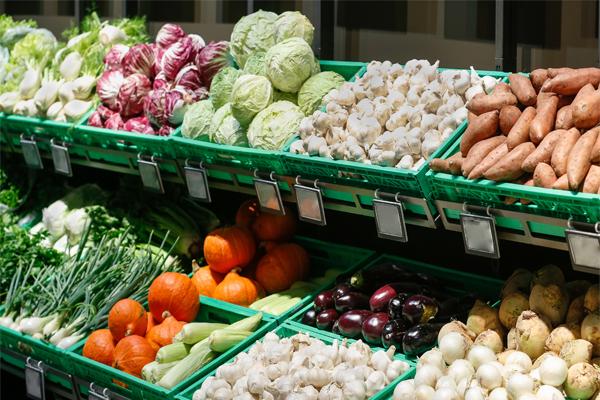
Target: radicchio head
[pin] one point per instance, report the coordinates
(139, 124)
(160, 81)
(176, 56)
(169, 34)
(108, 86)
(95, 120)
(105, 112)
(189, 77)
(139, 60)
(211, 59)
(132, 93)
(165, 130)
(154, 107)
(112, 59)
(176, 104)
(115, 122)
(198, 44)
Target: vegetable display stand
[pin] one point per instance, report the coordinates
(17, 125)
(136, 388)
(287, 330)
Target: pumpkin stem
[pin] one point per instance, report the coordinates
(236, 270)
(166, 314)
(195, 266)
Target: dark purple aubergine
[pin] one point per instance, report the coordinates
(351, 301)
(373, 326)
(324, 300)
(309, 318)
(350, 322)
(419, 309)
(341, 290)
(380, 299)
(326, 318)
(420, 338)
(336, 327)
(393, 332)
(395, 305)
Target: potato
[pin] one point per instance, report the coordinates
(570, 82)
(501, 87)
(551, 301)
(483, 127)
(538, 77)
(544, 119)
(527, 183)
(544, 176)
(578, 162)
(562, 183)
(509, 166)
(595, 157)
(488, 161)
(564, 118)
(586, 110)
(575, 312)
(483, 317)
(591, 184)
(455, 163)
(479, 151)
(522, 88)
(439, 165)
(543, 153)
(483, 103)
(519, 133)
(509, 115)
(560, 155)
(552, 72)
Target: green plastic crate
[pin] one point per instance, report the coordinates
(17, 125)
(291, 330)
(136, 388)
(323, 256)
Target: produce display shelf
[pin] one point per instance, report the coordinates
(38, 127)
(287, 330)
(131, 387)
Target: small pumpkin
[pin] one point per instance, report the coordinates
(229, 248)
(151, 322)
(100, 346)
(173, 294)
(206, 280)
(247, 213)
(132, 354)
(127, 317)
(278, 228)
(282, 266)
(163, 333)
(237, 289)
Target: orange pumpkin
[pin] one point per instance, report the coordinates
(173, 295)
(127, 317)
(282, 266)
(132, 354)
(206, 280)
(100, 346)
(237, 289)
(278, 228)
(247, 213)
(229, 248)
(151, 322)
(163, 333)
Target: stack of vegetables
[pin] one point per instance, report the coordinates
(538, 131)
(147, 88)
(552, 348)
(11, 32)
(261, 104)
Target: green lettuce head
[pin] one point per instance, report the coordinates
(293, 24)
(289, 64)
(250, 94)
(197, 119)
(278, 95)
(274, 126)
(254, 32)
(312, 91)
(220, 88)
(255, 64)
(225, 129)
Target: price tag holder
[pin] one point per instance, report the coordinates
(268, 195)
(31, 153)
(98, 393)
(61, 159)
(150, 174)
(479, 234)
(310, 203)
(584, 249)
(196, 179)
(389, 218)
(34, 379)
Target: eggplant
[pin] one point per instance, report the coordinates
(324, 300)
(326, 318)
(418, 309)
(369, 280)
(351, 301)
(420, 338)
(380, 299)
(343, 278)
(341, 290)
(395, 305)
(350, 322)
(393, 332)
(309, 317)
(336, 327)
(373, 326)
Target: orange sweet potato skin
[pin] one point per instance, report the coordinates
(439, 165)
(490, 160)
(483, 103)
(509, 115)
(519, 133)
(538, 77)
(586, 110)
(564, 118)
(523, 89)
(479, 151)
(544, 176)
(509, 166)
(455, 163)
(483, 127)
(579, 163)
(595, 157)
(591, 184)
(570, 82)
(544, 119)
(562, 183)
(552, 72)
(543, 153)
(563, 147)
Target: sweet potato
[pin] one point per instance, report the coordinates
(483, 127)
(522, 88)
(455, 163)
(529, 182)
(483, 103)
(562, 183)
(586, 110)
(471, 116)
(544, 176)
(595, 157)
(501, 87)
(508, 117)
(538, 77)
(439, 165)
(479, 151)
(544, 119)
(587, 89)
(578, 163)
(560, 155)
(543, 153)
(509, 166)
(519, 133)
(491, 159)
(552, 72)
(570, 82)
(591, 184)
(564, 101)
(564, 118)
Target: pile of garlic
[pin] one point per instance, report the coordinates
(392, 115)
(301, 367)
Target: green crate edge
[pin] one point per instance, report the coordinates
(44, 128)
(288, 328)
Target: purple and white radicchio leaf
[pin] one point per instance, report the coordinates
(198, 44)
(154, 107)
(115, 122)
(158, 54)
(165, 130)
(211, 59)
(176, 56)
(132, 93)
(189, 77)
(113, 59)
(176, 104)
(105, 112)
(95, 120)
(139, 124)
(139, 60)
(108, 87)
(169, 34)
(160, 81)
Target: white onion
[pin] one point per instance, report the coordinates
(479, 354)
(453, 347)
(427, 375)
(424, 392)
(518, 385)
(474, 393)
(445, 381)
(546, 392)
(445, 393)
(488, 376)
(521, 359)
(499, 393)
(460, 369)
